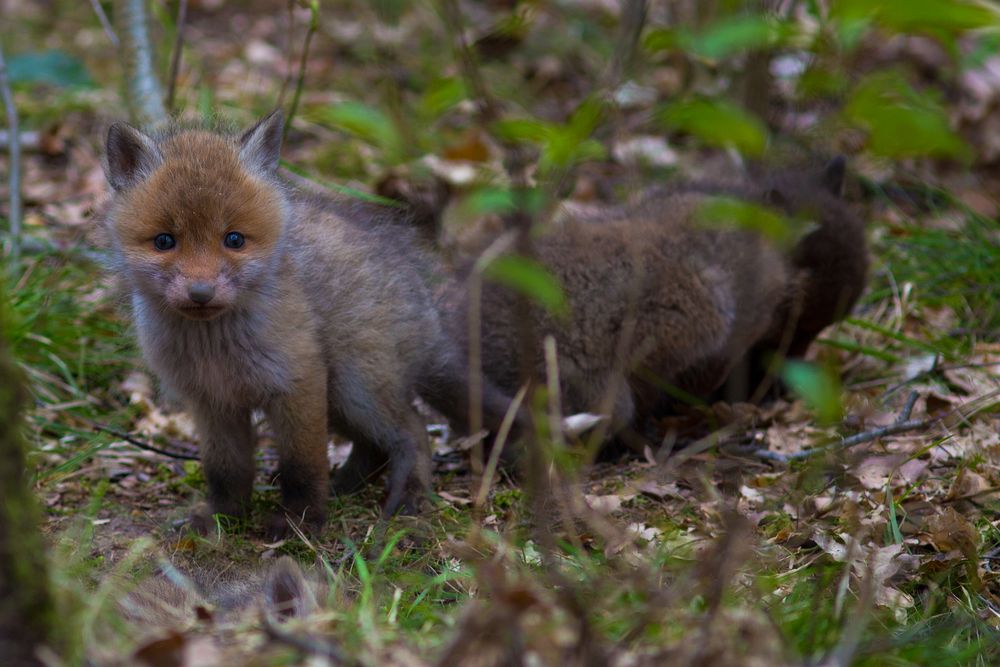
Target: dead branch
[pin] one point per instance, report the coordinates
(908, 407)
(141, 444)
(14, 180)
(175, 58)
(143, 94)
(847, 443)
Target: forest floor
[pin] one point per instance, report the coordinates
(739, 548)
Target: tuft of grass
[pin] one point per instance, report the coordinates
(66, 333)
(954, 268)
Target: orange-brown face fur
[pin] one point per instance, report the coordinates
(199, 193)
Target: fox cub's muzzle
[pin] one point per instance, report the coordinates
(201, 293)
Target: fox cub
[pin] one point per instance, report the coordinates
(659, 303)
(650, 304)
(249, 294)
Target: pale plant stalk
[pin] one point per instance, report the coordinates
(143, 94)
(14, 170)
(475, 294)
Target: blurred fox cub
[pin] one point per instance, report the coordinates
(658, 302)
(250, 294)
(175, 599)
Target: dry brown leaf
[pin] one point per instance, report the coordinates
(660, 490)
(453, 499)
(608, 504)
(972, 486)
(950, 531)
(472, 148)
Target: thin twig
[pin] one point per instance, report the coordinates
(105, 22)
(300, 81)
(908, 407)
(633, 17)
(141, 444)
(175, 59)
(498, 444)
(289, 69)
(14, 179)
(487, 106)
(474, 303)
(847, 443)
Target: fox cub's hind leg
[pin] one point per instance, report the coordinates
(386, 435)
(227, 456)
(299, 422)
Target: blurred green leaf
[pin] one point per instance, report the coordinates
(56, 68)
(531, 279)
(522, 130)
(900, 121)
(818, 81)
(731, 212)
(490, 200)
(718, 123)
(934, 17)
(441, 96)
(562, 144)
(487, 200)
(738, 33)
(665, 39)
(368, 123)
(723, 38)
(818, 387)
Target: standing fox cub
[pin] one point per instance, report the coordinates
(248, 294)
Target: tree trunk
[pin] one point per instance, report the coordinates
(26, 610)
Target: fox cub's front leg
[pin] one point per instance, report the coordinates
(300, 427)
(227, 457)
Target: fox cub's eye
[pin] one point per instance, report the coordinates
(234, 240)
(164, 242)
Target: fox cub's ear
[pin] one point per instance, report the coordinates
(287, 594)
(260, 146)
(131, 156)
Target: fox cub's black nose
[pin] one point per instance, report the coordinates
(201, 293)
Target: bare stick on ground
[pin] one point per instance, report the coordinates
(14, 148)
(143, 94)
(847, 443)
(142, 444)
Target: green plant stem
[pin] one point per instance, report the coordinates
(300, 80)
